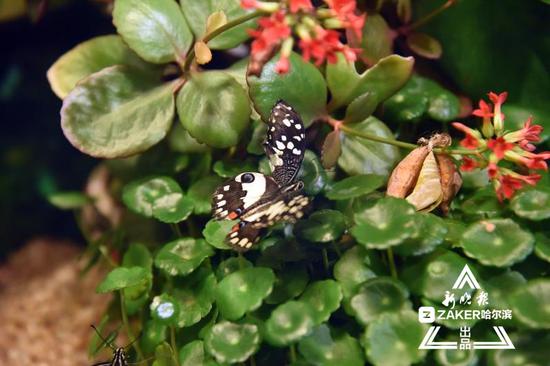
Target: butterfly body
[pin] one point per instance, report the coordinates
(257, 200)
(119, 359)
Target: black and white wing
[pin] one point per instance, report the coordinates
(285, 143)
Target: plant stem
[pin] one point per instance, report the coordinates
(325, 260)
(426, 18)
(176, 229)
(391, 261)
(233, 23)
(174, 346)
(129, 332)
(293, 353)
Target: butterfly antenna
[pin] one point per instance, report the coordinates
(134, 341)
(105, 341)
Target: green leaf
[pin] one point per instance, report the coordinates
(214, 108)
(355, 186)
(155, 29)
(362, 156)
(122, 277)
(332, 149)
(312, 174)
(137, 255)
(116, 113)
(201, 193)
(378, 296)
(361, 107)
(432, 275)
(376, 41)
(89, 57)
(192, 354)
(196, 13)
(454, 357)
(159, 197)
(542, 246)
(154, 333)
(231, 265)
(243, 291)
(532, 204)
(352, 269)
(424, 45)
(289, 323)
(165, 309)
(388, 223)
(289, 283)
(229, 169)
(428, 232)
(330, 347)
(69, 200)
(483, 203)
(393, 339)
(497, 242)
(322, 226)
(164, 355)
(231, 343)
(179, 140)
(216, 231)
(530, 303)
(195, 297)
(381, 81)
(420, 98)
(323, 297)
(182, 256)
(303, 87)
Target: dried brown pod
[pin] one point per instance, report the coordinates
(424, 179)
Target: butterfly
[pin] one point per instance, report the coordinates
(258, 201)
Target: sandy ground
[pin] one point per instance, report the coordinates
(46, 307)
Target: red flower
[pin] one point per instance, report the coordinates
(499, 146)
(324, 46)
(345, 11)
(498, 99)
(498, 120)
(529, 133)
(283, 65)
(297, 5)
(531, 179)
(484, 110)
(506, 186)
(492, 170)
(534, 161)
(468, 164)
(249, 4)
(271, 31)
(471, 141)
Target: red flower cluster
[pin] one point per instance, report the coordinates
(493, 145)
(311, 25)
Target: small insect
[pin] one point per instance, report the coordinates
(119, 353)
(257, 200)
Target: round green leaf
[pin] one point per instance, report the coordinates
(381, 81)
(116, 113)
(424, 45)
(289, 323)
(530, 303)
(453, 357)
(355, 186)
(216, 231)
(230, 342)
(428, 232)
(214, 108)
(378, 296)
(542, 246)
(122, 277)
(497, 242)
(231, 265)
(201, 193)
(532, 204)
(303, 87)
(192, 354)
(137, 255)
(393, 339)
(90, 57)
(154, 333)
(165, 309)
(68, 200)
(323, 297)
(196, 12)
(182, 256)
(230, 169)
(362, 156)
(312, 174)
(179, 140)
(326, 347)
(163, 355)
(434, 274)
(243, 291)
(159, 197)
(195, 297)
(322, 226)
(352, 269)
(155, 29)
(290, 282)
(388, 223)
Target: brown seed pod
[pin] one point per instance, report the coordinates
(451, 181)
(404, 176)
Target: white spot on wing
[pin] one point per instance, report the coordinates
(296, 151)
(226, 188)
(290, 145)
(221, 203)
(280, 145)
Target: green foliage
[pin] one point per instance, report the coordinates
(342, 285)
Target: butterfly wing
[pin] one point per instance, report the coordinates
(285, 143)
